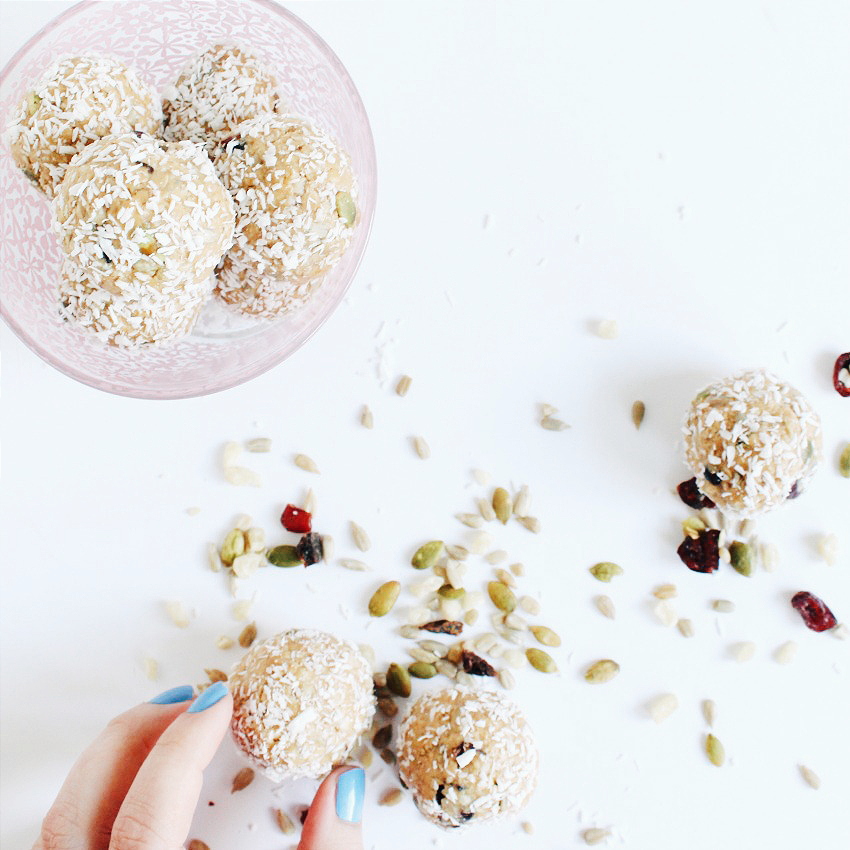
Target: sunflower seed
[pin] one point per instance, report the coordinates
(844, 462)
(470, 617)
(607, 329)
(769, 556)
(421, 447)
(811, 778)
(725, 555)
(743, 651)
(685, 627)
(423, 655)
(606, 606)
(507, 680)
(455, 573)
(479, 542)
(518, 569)
(662, 706)
(470, 520)
(514, 621)
(601, 671)
(638, 413)
(417, 615)
(391, 798)
(486, 510)
(306, 463)
(403, 385)
(259, 445)
(224, 642)
(284, 822)
(365, 757)
(606, 570)
(178, 613)
(241, 476)
(367, 420)
(530, 522)
(595, 835)
(309, 502)
(527, 827)
(522, 501)
(709, 711)
(243, 522)
(465, 679)
(244, 566)
(213, 558)
(241, 609)
(552, 423)
(151, 668)
(664, 612)
(384, 598)
(430, 584)
(248, 635)
(723, 606)
(785, 653)
(714, 750)
(229, 453)
(665, 591)
(496, 557)
(354, 565)
(360, 537)
(242, 779)
(446, 668)
(541, 660)
(327, 548)
(828, 549)
(515, 658)
(528, 603)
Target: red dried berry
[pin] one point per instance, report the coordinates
(296, 519)
(814, 612)
(841, 363)
(690, 494)
(702, 553)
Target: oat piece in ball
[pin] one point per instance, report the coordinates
(752, 441)
(142, 224)
(467, 756)
(295, 199)
(300, 702)
(218, 89)
(77, 101)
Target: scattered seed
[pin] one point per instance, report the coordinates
(284, 822)
(530, 522)
(527, 827)
(229, 454)
(541, 660)
(844, 462)
(403, 385)
(709, 711)
(665, 613)
(241, 609)
(546, 636)
(486, 510)
(528, 604)
(443, 627)
(224, 642)
(552, 423)
(365, 757)
(470, 520)
(769, 556)
(507, 680)
(259, 445)
(606, 606)
(178, 613)
(384, 598)
(481, 477)
(662, 706)
(828, 548)
(714, 750)
(283, 556)
(360, 537)
(387, 706)
(242, 779)
(685, 627)
(785, 654)
(306, 463)
(665, 591)
(606, 570)
(501, 596)
(497, 557)
(427, 555)
(521, 502)
(601, 671)
(811, 778)
(398, 680)
(446, 668)
(354, 565)
(723, 606)
(741, 557)
(743, 651)
(421, 447)
(607, 329)
(502, 504)
(248, 635)
(470, 617)
(197, 844)
(215, 675)
(367, 420)
(327, 548)
(475, 665)
(151, 668)
(383, 736)
(241, 476)
(595, 835)
(391, 798)
(692, 526)
(422, 670)
(638, 413)
(388, 756)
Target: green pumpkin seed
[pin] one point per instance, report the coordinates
(384, 598)
(422, 670)
(398, 680)
(541, 660)
(844, 462)
(502, 596)
(449, 592)
(602, 671)
(741, 557)
(502, 505)
(545, 635)
(714, 750)
(345, 207)
(283, 556)
(427, 555)
(638, 412)
(233, 546)
(606, 570)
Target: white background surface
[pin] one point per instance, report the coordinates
(681, 168)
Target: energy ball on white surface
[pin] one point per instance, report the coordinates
(142, 224)
(220, 88)
(301, 700)
(295, 197)
(77, 101)
(752, 441)
(467, 756)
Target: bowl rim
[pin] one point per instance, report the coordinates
(333, 303)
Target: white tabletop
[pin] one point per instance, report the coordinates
(542, 166)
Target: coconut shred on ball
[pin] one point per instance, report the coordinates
(295, 198)
(217, 90)
(301, 700)
(142, 224)
(77, 101)
(467, 756)
(752, 441)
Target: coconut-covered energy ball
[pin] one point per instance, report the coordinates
(301, 700)
(295, 197)
(142, 224)
(218, 89)
(752, 442)
(77, 101)
(467, 756)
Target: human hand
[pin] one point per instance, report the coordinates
(137, 785)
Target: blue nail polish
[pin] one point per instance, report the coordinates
(209, 697)
(350, 790)
(174, 695)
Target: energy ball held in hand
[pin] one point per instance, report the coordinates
(752, 441)
(301, 700)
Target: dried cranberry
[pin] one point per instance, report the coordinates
(689, 493)
(794, 491)
(702, 553)
(475, 665)
(814, 612)
(296, 519)
(841, 363)
(309, 549)
(443, 627)
(712, 477)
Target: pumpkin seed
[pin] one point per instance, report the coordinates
(233, 546)
(248, 635)
(403, 385)
(284, 556)
(384, 598)
(449, 592)
(541, 660)
(284, 822)
(601, 671)
(844, 462)
(398, 680)
(242, 779)
(638, 413)
(811, 778)
(606, 570)
(391, 798)
(427, 555)
(502, 505)
(345, 207)
(306, 463)
(741, 557)
(714, 750)
(502, 596)
(422, 670)
(546, 636)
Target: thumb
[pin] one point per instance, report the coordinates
(333, 822)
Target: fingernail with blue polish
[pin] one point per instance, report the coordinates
(174, 695)
(209, 697)
(350, 790)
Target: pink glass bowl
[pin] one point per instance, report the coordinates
(156, 38)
